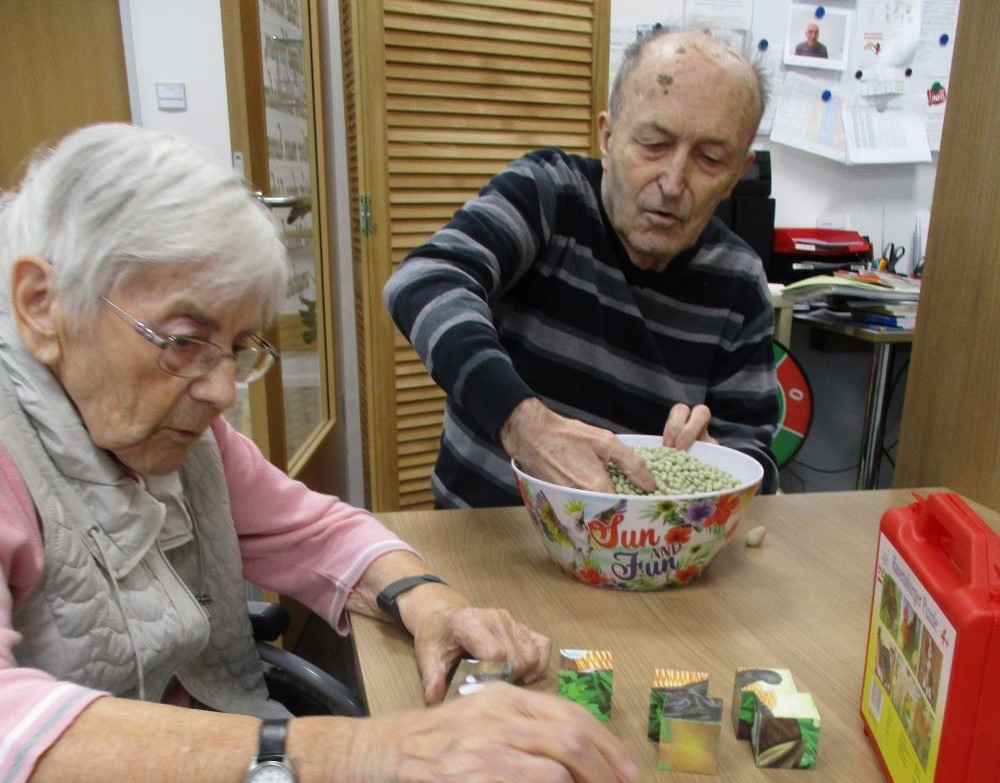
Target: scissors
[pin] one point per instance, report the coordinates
(892, 254)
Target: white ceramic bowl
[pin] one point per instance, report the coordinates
(640, 542)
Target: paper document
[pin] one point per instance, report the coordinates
(890, 32)
(870, 285)
(804, 120)
(893, 135)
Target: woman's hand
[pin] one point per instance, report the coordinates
(443, 637)
(446, 627)
(502, 733)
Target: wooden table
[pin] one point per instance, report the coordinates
(799, 602)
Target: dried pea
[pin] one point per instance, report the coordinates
(675, 472)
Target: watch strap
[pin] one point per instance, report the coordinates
(386, 599)
(273, 733)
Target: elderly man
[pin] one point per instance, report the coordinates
(136, 278)
(811, 47)
(575, 297)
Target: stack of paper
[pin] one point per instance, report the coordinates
(866, 285)
(902, 315)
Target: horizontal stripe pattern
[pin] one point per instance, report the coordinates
(528, 292)
(35, 727)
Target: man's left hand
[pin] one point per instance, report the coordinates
(685, 425)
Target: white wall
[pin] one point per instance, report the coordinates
(881, 201)
(179, 42)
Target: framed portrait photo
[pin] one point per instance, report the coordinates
(817, 40)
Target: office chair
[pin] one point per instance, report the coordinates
(298, 684)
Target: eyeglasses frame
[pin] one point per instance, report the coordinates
(162, 341)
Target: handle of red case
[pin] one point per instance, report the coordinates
(948, 524)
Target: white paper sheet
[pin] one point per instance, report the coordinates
(937, 37)
(897, 134)
(804, 120)
(890, 31)
(719, 14)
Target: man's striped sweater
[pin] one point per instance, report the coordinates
(528, 291)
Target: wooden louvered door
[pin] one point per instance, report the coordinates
(441, 95)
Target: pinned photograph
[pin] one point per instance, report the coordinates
(817, 37)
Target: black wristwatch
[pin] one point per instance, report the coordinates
(271, 765)
(386, 600)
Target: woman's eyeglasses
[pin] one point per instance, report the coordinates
(189, 357)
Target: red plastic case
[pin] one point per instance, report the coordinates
(930, 700)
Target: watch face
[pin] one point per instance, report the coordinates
(270, 772)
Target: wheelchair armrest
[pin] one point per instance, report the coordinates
(305, 679)
(269, 620)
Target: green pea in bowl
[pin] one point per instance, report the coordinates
(641, 542)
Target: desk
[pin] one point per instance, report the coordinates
(800, 601)
(884, 341)
(783, 313)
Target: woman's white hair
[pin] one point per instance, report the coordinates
(112, 198)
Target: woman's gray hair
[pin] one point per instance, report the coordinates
(112, 198)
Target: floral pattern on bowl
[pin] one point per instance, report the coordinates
(640, 542)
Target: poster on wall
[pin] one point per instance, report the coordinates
(859, 82)
(889, 33)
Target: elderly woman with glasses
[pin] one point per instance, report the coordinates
(135, 278)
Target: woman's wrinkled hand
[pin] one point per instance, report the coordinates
(444, 632)
(502, 733)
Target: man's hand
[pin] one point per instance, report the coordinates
(685, 425)
(568, 452)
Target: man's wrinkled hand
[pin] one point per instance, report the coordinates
(685, 425)
(569, 452)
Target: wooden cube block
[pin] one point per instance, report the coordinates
(785, 730)
(681, 684)
(586, 677)
(749, 682)
(689, 733)
(471, 675)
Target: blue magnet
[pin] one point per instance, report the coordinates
(943, 40)
(762, 45)
(827, 95)
(820, 12)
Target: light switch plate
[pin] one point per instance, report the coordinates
(171, 96)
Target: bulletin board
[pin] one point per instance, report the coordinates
(873, 92)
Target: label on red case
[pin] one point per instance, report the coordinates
(911, 647)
